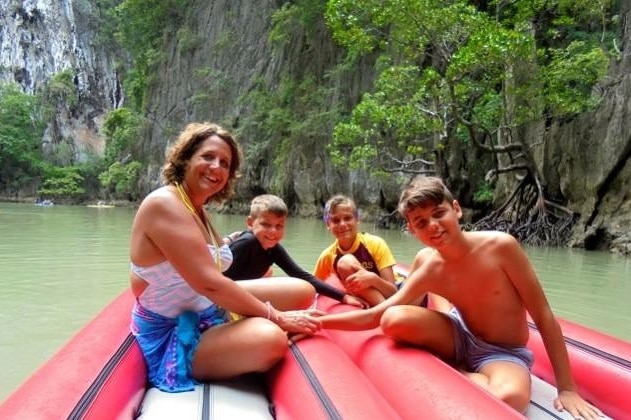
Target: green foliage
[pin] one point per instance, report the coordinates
(61, 183)
(61, 90)
(449, 71)
(21, 130)
(484, 194)
(144, 23)
(289, 124)
(302, 16)
(188, 40)
(63, 154)
(122, 130)
(120, 179)
(143, 27)
(570, 77)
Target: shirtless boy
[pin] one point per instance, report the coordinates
(256, 249)
(363, 262)
(492, 286)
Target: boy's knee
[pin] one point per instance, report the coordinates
(391, 321)
(306, 295)
(513, 395)
(347, 265)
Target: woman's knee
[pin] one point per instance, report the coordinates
(272, 344)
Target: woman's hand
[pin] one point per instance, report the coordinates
(302, 321)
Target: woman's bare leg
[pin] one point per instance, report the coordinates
(229, 350)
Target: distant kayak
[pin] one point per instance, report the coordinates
(101, 205)
(44, 203)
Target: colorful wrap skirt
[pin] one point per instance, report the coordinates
(168, 344)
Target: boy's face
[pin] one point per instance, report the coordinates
(268, 228)
(434, 225)
(342, 223)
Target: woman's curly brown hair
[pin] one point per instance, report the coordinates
(188, 142)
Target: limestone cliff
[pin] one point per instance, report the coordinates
(588, 159)
(207, 73)
(41, 38)
(232, 55)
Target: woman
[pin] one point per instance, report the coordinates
(181, 318)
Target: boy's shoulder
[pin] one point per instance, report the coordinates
(492, 242)
(491, 237)
(238, 236)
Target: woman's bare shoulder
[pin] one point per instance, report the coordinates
(157, 198)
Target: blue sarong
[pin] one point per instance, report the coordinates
(168, 344)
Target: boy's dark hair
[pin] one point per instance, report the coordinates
(338, 200)
(268, 203)
(423, 191)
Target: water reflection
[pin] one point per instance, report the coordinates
(60, 265)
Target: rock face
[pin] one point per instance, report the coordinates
(206, 74)
(41, 38)
(588, 160)
(229, 56)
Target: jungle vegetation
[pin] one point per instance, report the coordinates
(455, 84)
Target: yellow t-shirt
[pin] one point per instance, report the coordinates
(370, 250)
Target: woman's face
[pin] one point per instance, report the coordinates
(208, 171)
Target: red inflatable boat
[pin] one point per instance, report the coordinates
(100, 374)
(415, 382)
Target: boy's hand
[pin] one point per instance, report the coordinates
(355, 301)
(359, 281)
(576, 406)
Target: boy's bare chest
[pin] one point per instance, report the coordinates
(473, 283)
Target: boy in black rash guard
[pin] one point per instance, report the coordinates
(256, 249)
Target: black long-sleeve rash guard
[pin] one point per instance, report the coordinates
(251, 261)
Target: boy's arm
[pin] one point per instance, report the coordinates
(228, 239)
(412, 290)
(522, 275)
(436, 302)
(386, 282)
(289, 266)
(363, 279)
(323, 267)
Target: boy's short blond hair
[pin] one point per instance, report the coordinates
(423, 191)
(268, 203)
